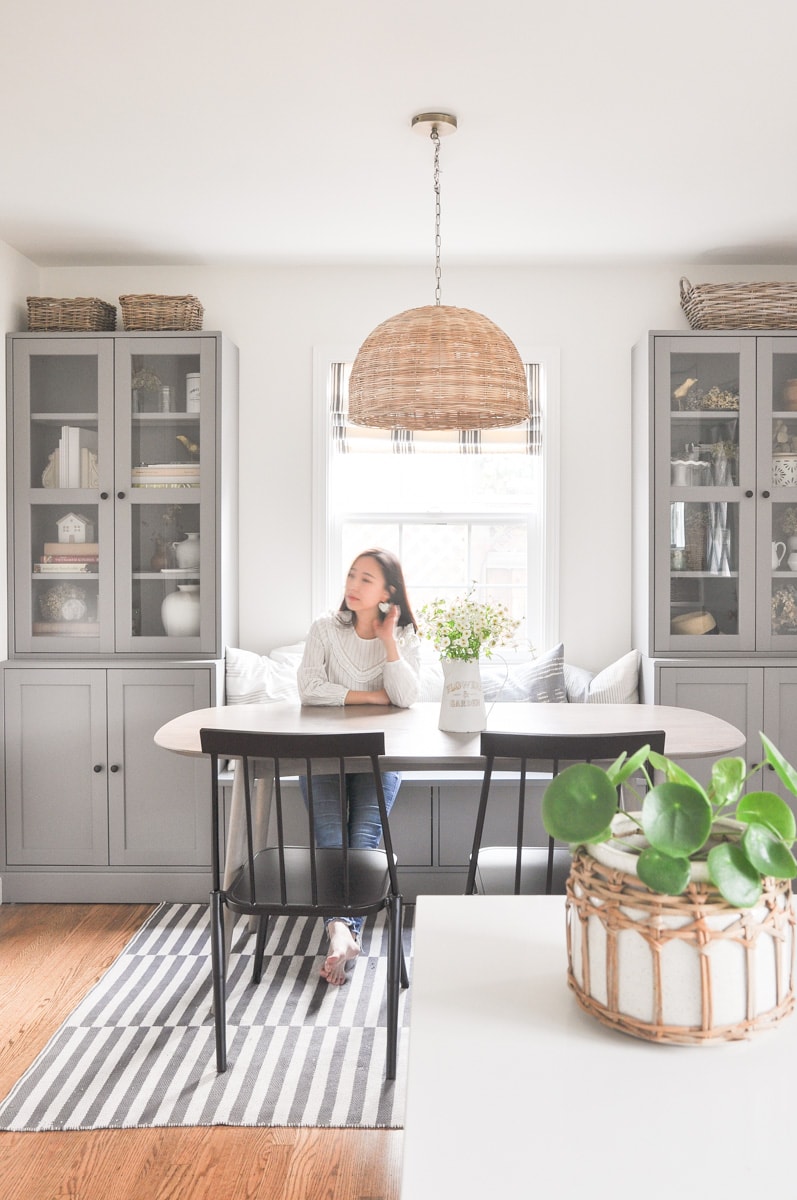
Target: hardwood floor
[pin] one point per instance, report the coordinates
(50, 955)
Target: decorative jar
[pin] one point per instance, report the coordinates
(186, 552)
(462, 705)
(180, 611)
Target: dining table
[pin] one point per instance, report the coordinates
(414, 742)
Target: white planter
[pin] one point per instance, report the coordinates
(687, 969)
(462, 703)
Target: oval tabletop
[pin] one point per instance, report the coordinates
(412, 738)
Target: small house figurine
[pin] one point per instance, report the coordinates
(75, 527)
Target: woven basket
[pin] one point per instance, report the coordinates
(161, 312)
(438, 367)
(78, 315)
(687, 970)
(740, 305)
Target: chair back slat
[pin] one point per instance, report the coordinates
(548, 753)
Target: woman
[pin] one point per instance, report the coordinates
(368, 652)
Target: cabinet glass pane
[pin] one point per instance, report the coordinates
(63, 436)
(784, 568)
(64, 570)
(165, 404)
(704, 567)
(704, 442)
(165, 557)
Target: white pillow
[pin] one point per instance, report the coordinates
(616, 684)
(251, 678)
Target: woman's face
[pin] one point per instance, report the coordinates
(365, 585)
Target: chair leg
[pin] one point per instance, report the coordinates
(394, 972)
(260, 946)
(218, 958)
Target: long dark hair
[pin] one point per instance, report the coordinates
(394, 582)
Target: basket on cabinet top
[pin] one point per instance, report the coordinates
(161, 312)
(80, 314)
(739, 305)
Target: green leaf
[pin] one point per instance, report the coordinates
(784, 771)
(625, 767)
(727, 780)
(663, 872)
(579, 804)
(676, 818)
(766, 808)
(732, 872)
(674, 773)
(768, 854)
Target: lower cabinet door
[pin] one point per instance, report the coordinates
(158, 802)
(56, 767)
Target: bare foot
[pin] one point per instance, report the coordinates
(342, 949)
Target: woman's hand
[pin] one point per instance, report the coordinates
(386, 632)
(380, 697)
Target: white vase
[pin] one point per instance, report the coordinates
(687, 969)
(187, 551)
(180, 611)
(462, 704)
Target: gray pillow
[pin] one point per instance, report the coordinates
(540, 681)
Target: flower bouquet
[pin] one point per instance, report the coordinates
(465, 628)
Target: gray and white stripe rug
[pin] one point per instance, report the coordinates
(139, 1050)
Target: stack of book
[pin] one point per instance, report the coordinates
(67, 558)
(166, 475)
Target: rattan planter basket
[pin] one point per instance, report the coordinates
(77, 315)
(161, 312)
(740, 305)
(688, 969)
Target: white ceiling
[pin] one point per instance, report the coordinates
(250, 131)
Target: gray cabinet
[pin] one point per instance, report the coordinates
(715, 494)
(115, 484)
(122, 568)
(755, 697)
(87, 791)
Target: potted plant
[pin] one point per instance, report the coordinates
(462, 630)
(680, 920)
(788, 524)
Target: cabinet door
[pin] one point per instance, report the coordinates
(736, 694)
(777, 494)
(159, 803)
(705, 470)
(459, 804)
(780, 723)
(61, 472)
(56, 767)
(165, 507)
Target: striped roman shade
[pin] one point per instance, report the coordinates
(350, 439)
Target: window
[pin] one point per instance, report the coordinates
(459, 508)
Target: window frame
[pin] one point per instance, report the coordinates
(322, 544)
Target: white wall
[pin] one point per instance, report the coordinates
(277, 315)
(18, 278)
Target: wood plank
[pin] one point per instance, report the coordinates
(50, 955)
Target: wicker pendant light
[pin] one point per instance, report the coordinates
(437, 367)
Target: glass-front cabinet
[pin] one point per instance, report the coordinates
(113, 491)
(724, 544)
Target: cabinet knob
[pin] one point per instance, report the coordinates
(120, 495)
(114, 768)
(749, 495)
(765, 495)
(103, 495)
(97, 768)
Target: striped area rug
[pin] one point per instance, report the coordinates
(139, 1050)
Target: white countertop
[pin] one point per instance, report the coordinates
(513, 1091)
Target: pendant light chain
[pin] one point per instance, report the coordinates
(438, 275)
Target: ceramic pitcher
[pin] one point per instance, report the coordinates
(778, 551)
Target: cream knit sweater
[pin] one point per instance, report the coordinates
(337, 661)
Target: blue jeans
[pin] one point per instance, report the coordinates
(364, 826)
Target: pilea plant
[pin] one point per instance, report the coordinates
(742, 838)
